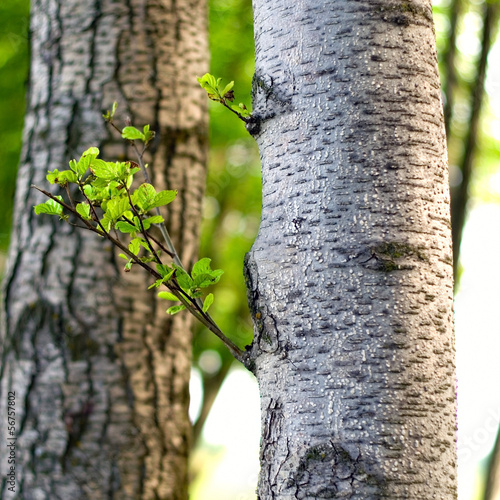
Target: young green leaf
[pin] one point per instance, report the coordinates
(85, 161)
(132, 133)
(84, 210)
(164, 270)
(148, 134)
(156, 219)
(50, 207)
(105, 170)
(63, 177)
(167, 296)
(185, 281)
(116, 207)
(163, 198)
(175, 309)
(227, 89)
(201, 267)
(135, 245)
(125, 227)
(144, 196)
(209, 84)
(209, 300)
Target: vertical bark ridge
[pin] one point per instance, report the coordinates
(99, 371)
(351, 273)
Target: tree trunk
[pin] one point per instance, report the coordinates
(350, 278)
(98, 372)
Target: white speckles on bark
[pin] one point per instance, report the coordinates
(350, 278)
(100, 372)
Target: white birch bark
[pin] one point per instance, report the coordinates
(100, 373)
(350, 278)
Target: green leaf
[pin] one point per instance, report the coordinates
(204, 280)
(125, 227)
(123, 256)
(164, 271)
(227, 88)
(144, 196)
(185, 281)
(203, 275)
(156, 284)
(156, 219)
(50, 207)
(209, 84)
(88, 157)
(201, 267)
(105, 170)
(106, 222)
(167, 296)
(92, 152)
(148, 134)
(116, 207)
(84, 210)
(175, 309)
(132, 133)
(135, 245)
(209, 300)
(63, 177)
(163, 198)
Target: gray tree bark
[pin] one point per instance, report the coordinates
(350, 278)
(98, 372)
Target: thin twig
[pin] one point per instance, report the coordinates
(239, 115)
(159, 243)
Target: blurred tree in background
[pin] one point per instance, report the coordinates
(14, 50)
(465, 31)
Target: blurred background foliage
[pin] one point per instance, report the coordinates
(465, 30)
(14, 60)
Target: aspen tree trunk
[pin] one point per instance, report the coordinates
(98, 371)
(350, 278)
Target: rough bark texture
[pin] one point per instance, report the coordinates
(350, 278)
(100, 373)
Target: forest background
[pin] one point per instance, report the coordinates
(225, 462)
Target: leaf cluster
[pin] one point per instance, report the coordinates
(107, 204)
(223, 94)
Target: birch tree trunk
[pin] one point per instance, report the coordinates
(350, 278)
(98, 373)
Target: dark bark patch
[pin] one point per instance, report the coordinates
(328, 470)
